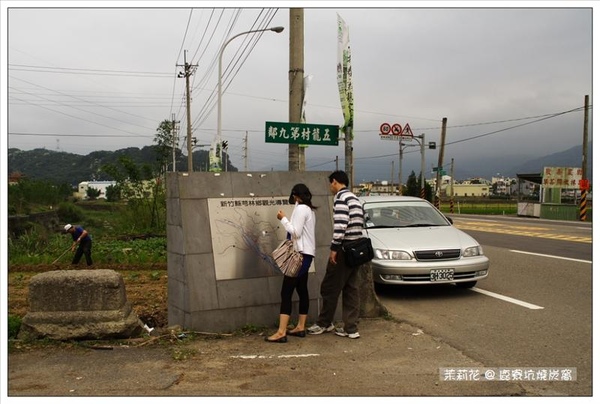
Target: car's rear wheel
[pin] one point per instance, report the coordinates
(466, 285)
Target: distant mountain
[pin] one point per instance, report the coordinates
(69, 168)
(568, 158)
(509, 165)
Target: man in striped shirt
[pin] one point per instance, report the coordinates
(348, 220)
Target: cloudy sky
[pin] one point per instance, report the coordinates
(510, 81)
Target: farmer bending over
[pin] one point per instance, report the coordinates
(83, 241)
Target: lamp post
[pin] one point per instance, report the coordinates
(219, 87)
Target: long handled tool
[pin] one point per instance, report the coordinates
(60, 256)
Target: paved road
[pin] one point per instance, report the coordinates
(548, 322)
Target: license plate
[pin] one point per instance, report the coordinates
(441, 275)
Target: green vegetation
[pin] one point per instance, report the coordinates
(130, 229)
(122, 233)
(31, 196)
(492, 207)
(14, 325)
(37, 247)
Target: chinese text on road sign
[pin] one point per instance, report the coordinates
(301, 133)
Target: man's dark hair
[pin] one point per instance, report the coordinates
(340, 176)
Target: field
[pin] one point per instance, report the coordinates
(145, 285)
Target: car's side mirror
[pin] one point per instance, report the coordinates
(450, 220)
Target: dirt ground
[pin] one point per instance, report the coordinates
(146, 288)
(392, 358)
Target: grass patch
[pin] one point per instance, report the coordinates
(14, 325)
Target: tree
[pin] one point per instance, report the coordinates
(28, 194)
(412, 187)
(92, 193)
(144, 192)
(113, 193)
(165, 142)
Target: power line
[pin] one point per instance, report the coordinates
(100, 72)
(80, 109)
(66, 135)
(85, 120)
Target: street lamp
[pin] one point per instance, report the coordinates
(274, 29)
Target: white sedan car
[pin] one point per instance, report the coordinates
(415, 243)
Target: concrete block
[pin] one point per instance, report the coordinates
(196, 232)
(256, 184)
(207, 296)
(244, 293)
(201, 283)
(173, 212)
(79, 304)
(205, 185)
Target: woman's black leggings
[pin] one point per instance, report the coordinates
(300, 284)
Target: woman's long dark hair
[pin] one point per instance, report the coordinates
(302, 191)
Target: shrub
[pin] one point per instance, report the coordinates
(68, 212)
(14, 325)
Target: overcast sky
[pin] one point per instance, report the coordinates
(87, 79)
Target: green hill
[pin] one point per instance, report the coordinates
(61, 167)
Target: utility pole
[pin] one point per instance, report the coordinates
(400, 144)
(452, 186)
(585, 137)
(440, 164)
(187, 72)
(392, 179)
(246, 152)
(585, 184)
(422, 192)
(175, 134)
(296, 82)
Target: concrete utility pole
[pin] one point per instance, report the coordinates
(246, 152)
(584, 186)
(400, 144)
(452, 186)
(188, 70)
(422, 192)
(392, 179)
(349, 158)
(175, 134)
(440, 164)
(585, 138)
(296, 82)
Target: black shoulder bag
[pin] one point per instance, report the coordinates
(358, 252)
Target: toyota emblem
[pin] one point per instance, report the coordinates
(439, 254)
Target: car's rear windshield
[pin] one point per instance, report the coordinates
(403, 214)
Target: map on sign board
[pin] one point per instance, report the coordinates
(244, 232)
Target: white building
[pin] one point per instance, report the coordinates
(99, 185)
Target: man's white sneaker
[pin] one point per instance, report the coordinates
(316, 329)
(342, 333)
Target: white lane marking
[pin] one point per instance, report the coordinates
(272, 356)
(508, 299)
(551, 256)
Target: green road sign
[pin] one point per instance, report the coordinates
(301, 133)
